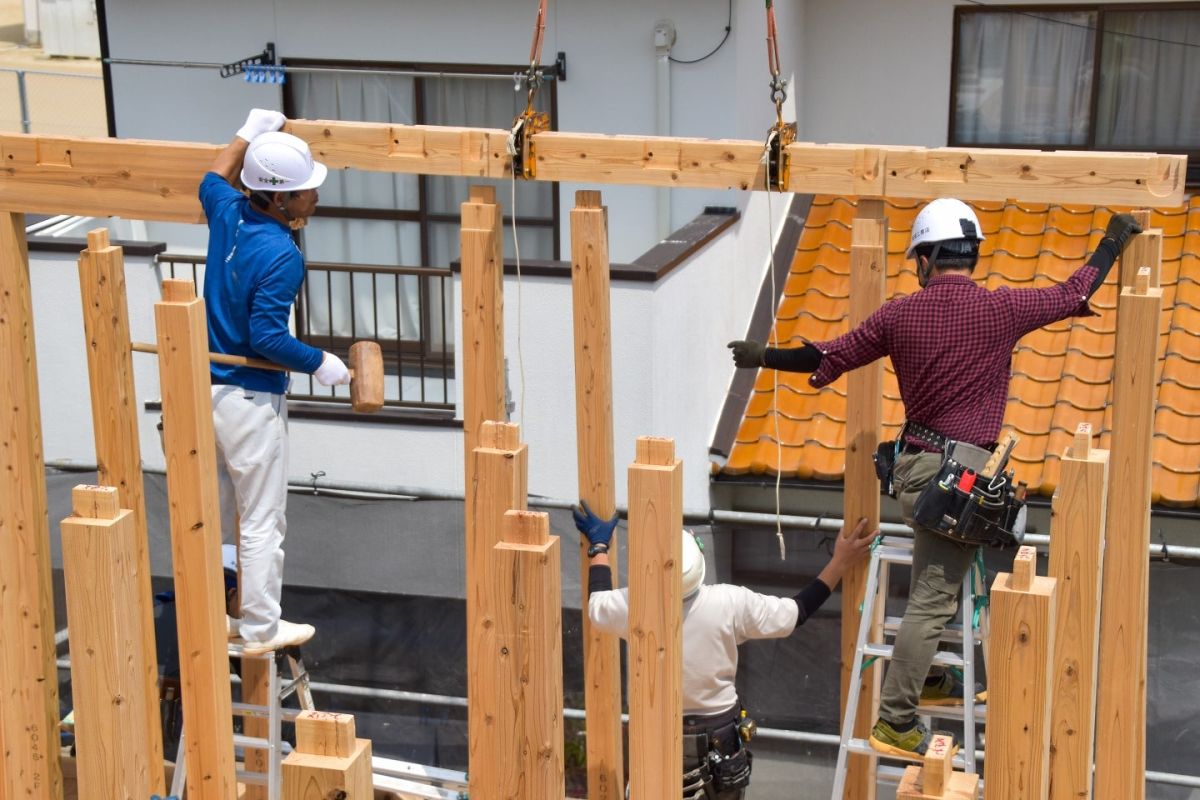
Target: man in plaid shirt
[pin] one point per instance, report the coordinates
(951, 344)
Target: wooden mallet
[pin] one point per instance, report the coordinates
(366, 371)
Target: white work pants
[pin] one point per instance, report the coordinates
(252, 459)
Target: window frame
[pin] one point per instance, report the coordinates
(960, 11)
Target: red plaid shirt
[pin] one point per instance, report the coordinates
(951, 344)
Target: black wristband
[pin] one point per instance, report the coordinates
(793, 359)
(811, 598)
(599, 578)
(1103, 259)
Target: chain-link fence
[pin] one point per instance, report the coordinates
(53, 103)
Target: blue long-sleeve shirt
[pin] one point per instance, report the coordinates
(252, 275)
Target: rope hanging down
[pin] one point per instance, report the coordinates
(781, 134)
(530, 122)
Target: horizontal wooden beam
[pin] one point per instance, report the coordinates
(158, 180)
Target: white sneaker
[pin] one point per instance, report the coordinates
(233, 627)
(288, 634)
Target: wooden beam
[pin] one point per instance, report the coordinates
(118, 754)
(591, 315)
(527, 649)
(159, 180)
(118, 448)
(317, 768)
(29, 766)
(1121, 706)
(196, 541)
(1017, 766)
(500, 470)
(655, 621)
(1076, 562)
(864, 416)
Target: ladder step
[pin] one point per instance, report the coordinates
(255, 742)
(894, 555)
(863, 747)
(445, 778)
(262, 712)
(953, 712)
(952, 633)
(941, 659)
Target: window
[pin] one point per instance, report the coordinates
(1088, 77)
(380, 245)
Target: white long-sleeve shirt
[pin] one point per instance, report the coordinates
(716, 619)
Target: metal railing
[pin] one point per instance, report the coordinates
(56, 103)
(407, 310)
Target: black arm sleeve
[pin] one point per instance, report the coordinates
(599, 578)
(1103, 260)
(793, 359)
(811, 598)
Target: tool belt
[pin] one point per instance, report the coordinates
(966, 505)
(715, 756)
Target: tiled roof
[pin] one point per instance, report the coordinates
(1061, 374)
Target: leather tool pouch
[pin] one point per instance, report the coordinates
(885, 462)
(985, 513)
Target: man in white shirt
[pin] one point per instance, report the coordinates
(716, 619)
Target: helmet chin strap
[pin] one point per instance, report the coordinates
(923, 273)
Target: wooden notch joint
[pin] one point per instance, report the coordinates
(177, 290)
(95, 502)
(938, 766)
(1141, 282)
(655, 451)
(525, 527)
(1142, 217)
(1024, 569)
(588, 198)
(500, 435)
(97, 239)
(1081, 447)
(322, 733)
(480, 193)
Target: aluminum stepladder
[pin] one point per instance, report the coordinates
(973, 630)
(274, 713)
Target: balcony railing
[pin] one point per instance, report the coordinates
(407, 310)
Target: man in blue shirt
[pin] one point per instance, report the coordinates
(253, 273)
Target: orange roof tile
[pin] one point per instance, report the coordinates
(1061, 374)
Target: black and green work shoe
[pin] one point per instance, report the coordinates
(910, 744)
(946, 689)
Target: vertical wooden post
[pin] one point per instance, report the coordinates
(329, 761)
(118, 449)
(655, 621)
(1076, 562)
(500, 469)
(1020, 674)
(118, 754)
(196, 541)
(483, 399)
(597, 481)
(1121, 705)
(864, 416)
(1143, 250)
(29, 766)
(527, 650)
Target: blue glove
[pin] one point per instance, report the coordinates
(597, 531)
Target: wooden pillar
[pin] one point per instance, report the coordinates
(29, 766)
(597, 481)
(500, 469)
(1143, 250)
(1076, 562)
(527, 650)
(1017, 766)
(655, 621)
(1121, 704)
(864, 416)
(936, 779)
(196, 541)
(118, 449)
(482, 315)
(118, 755)
(329, 760)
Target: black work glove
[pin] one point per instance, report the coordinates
(747, 354)
(596, 530)
(1120, 228)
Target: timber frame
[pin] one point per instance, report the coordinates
(154, 180)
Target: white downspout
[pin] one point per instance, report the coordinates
(664, 40)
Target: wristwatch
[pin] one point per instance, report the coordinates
(597, 549)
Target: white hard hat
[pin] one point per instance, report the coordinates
(693, 563)
(280, 162)
(943, 219)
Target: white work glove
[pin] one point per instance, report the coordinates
(332, 372)
(259, 121)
